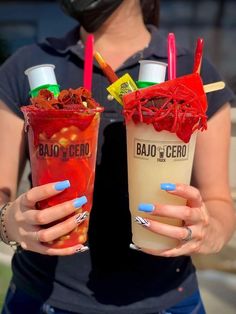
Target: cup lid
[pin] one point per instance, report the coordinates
(42, 74)
(152, 71)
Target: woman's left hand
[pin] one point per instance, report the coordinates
(193, 235)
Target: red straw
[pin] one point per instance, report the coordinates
(88, 62)
(171, 57)
(198, 56)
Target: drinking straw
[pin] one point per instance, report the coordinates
(106, 68)
(171, 57)
(198, 56)
(88, 62)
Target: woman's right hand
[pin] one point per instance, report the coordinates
(25, 224)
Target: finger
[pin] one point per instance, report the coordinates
(190, 193)
(188, 248)
(170, 231)
(51, 214)
(168, 253)
(181, 249)
(39, 193)
(184, 248)
(62, 228)
(42, 249)
(184, 213)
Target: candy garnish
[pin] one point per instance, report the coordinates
(79, 98)
(178, 106)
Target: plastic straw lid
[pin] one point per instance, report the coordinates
(40, 75)
(152, 71)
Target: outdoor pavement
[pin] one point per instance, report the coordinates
(216, 273)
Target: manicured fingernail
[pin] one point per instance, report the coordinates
(62, 185)
(82, 249)
(146, 207)
(81, 217)
(78, 202)
(134, 247)
(168, 186)
(142, 221)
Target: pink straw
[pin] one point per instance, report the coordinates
(171, 57)
(198, 56)
(88, 62)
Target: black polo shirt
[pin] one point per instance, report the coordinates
(110, 278)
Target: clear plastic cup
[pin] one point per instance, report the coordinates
(155, 158)
(63, 146)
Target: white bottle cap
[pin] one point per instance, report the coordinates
(40, 75)
(152, 71)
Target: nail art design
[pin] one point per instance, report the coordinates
(134, 247)
(168, 186)
(81, 217)
(82, 249)
(62, 185)
(79, 202)
(142, 221)
(148, 208)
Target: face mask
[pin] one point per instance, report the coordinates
(91, 14)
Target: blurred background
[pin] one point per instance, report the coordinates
(25, 22)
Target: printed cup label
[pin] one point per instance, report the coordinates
(161, 151)
(55, 150)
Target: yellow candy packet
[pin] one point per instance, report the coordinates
(124, 85)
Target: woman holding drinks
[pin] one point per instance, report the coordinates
(109, 277)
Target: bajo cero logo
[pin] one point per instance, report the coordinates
(53, 150)
(161, 151)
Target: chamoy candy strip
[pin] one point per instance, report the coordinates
(106, 68)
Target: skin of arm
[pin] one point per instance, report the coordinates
(12, 157)
(211, 176)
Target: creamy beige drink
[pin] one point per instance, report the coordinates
(162, 122)
(154, 158)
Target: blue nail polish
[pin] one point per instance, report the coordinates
(62, 185)
(148, 208)
(168, 186)
(78, 202)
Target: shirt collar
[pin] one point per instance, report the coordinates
(157, 47)
(64, 44)
(158, 44)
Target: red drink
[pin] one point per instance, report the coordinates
(63, 145)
